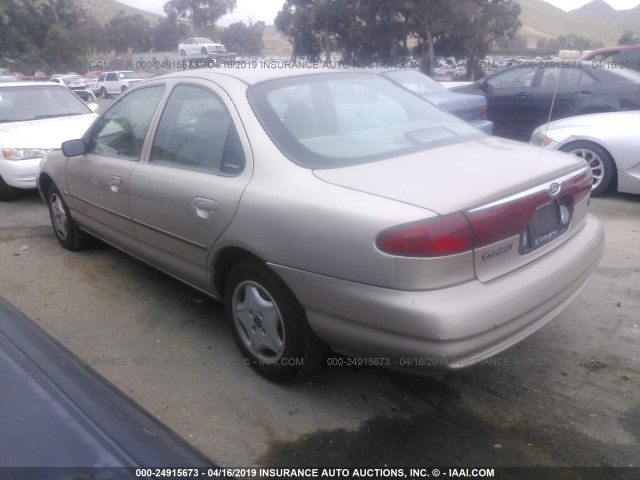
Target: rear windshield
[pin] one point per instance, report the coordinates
(414, 81)
(340, 119)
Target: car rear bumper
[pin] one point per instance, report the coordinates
(451, 327)
(485, 126)
(20, 173)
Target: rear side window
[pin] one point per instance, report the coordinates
(196, 132)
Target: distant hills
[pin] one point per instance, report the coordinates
(596, 20)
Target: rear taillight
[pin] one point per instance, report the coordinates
(484, 111)
(459, 232)
(434, 237)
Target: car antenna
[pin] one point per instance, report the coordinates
(553, 101)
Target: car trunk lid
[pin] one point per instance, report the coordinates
(520, 201)
(466, 107)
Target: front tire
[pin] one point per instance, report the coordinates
(269, 324)
(603, 168)
(66, 230)
(7, 192)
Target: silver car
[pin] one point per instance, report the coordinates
(331, 209)
(608, 142)
(470, 108)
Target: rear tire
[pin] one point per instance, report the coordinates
(603, 167)
(104, 93)
(269, 324)
(66, 230)
(183, 53)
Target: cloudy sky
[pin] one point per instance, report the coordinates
(265, 10)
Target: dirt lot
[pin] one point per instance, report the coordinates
(567, 396)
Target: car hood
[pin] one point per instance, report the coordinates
(599, 122)
(48, 133)
(456, 177)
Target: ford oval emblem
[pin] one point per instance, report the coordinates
(554, 189)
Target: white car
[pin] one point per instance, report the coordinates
(35, 117)
(197, 46)
(77, 84)
(609, 143)
(115, 83)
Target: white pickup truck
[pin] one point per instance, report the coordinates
(115, 83)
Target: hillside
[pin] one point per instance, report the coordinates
(105, 10)
(596, 20)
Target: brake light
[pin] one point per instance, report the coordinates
(434, 237)
(484, 111)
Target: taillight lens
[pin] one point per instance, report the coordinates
(484, 111)
(434, 237)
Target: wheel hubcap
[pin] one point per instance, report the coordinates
(595, 163)
(59, 217)
(258, 321)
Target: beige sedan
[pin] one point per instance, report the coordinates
(331, 209)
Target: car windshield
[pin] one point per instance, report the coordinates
(334, 120)
(20, 104)
(416, 82)
(127, 75)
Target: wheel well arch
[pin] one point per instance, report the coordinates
(570, 144)
(45, 181)
(224, 261)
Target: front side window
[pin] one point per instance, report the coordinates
(333, 120)
(196, 133)
(120, 132)
(513, 78)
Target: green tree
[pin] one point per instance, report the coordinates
(478, 25)
(129, 32)
(628, 38)
(201, 13)
(243, 39)
(167, 33)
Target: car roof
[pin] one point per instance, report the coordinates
(618, 48)
(31, 84)
(251, 76)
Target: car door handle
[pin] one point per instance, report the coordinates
(115, 183)
(204, 206)
(584, 93)
(522, 94)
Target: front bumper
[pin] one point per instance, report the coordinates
(20, 173)
(451, 327)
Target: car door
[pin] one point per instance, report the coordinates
(185, 196)
(560, 93)
(190, 46)
(98, 181)
(508, 95)
(112, 83)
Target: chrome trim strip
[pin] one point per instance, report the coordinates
(100, 207)
(171, 235)
(142, 224)
(531, 191)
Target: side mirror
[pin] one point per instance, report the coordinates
(73, 148)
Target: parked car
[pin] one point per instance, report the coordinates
(520, 97)
(608, 142)
(470, 108)
(77, 85)
(35, 117)
(203, 46)
(115, 83)
(56, 411)
(333, 208)
(621, 56)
